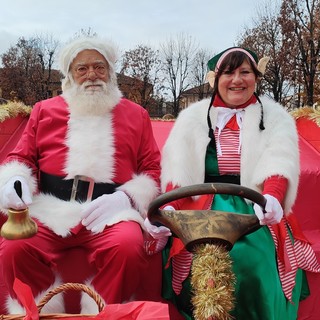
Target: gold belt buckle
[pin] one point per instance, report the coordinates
(75, 187)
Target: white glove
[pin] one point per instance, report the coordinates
(156, 232)
(273, 211)
(169, 208)
(9, 197)
(157, 238)
(96, 213)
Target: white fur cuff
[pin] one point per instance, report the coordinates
(142, 189)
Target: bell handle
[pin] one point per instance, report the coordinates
(17, 186)
(205, 188)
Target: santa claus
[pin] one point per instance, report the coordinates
(88, 166)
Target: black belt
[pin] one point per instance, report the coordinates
(80, 189)
(225, 178)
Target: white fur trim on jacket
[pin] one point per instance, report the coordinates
(142, 189)
(58, 215)
(84, 138)
(61, 216)
(16, 168)
(273, 151)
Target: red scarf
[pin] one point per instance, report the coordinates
(218, 102)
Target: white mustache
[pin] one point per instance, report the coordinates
(89, 83)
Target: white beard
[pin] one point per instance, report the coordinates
(88, 102)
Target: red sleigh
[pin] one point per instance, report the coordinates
(306, 209)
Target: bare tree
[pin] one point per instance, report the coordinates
(177, 56)
(19, 75)
(84, 33)
(46, 47)
(300, 20)
(143, 64)
(199, 71)
(26, 71)
(266, 39)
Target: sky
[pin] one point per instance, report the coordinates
(213, 24)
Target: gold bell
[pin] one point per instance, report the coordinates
(19, 225)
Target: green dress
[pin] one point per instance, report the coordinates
(258, 291)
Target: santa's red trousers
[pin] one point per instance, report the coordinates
(116, 255)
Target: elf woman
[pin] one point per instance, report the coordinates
(239, 138)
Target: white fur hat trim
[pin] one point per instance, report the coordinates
(70, 51)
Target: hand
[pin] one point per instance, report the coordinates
(9, 197)
(157, 238)
(273, 211)
(156, 232)
(96, 213)
(169, 208)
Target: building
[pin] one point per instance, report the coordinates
(195, 94)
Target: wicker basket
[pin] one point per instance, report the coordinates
(64, 287)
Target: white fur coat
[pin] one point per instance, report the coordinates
(273, 151)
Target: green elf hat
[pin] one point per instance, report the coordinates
(215, 62)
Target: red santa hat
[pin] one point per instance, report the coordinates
(106, 47)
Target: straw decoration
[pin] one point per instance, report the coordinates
(213, 281)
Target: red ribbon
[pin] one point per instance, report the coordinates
(25, 296)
